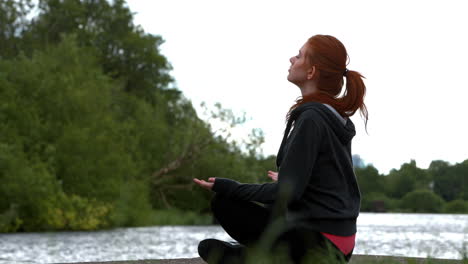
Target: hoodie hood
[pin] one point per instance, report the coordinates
(344, 132)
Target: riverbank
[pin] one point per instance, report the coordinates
(356, 259)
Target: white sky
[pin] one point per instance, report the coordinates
(413, 54)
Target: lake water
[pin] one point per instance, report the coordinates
(416, 235)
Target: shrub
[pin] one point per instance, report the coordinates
(422, 201)
(72, 212)
(9, 220)
(456, 207)
(377, 202)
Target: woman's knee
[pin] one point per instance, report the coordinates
(223, 207)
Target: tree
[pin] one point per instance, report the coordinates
(422, 201)
(125, 51)
(378, 202)
(13, 23)
(456, 207)
(56, 116)
(204, 153)
(369, 180)
(408, 178)
(450, 182)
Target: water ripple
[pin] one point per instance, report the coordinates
(416, 235)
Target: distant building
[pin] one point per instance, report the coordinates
(358, 162)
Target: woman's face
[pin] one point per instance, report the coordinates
(298, 70)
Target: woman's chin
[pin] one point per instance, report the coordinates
(291, 80)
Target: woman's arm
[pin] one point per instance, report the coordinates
(295, 170)
(263, 193)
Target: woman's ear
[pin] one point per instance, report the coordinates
(312, 73)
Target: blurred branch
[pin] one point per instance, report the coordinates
(201, 142)
(163, 198)
(192, 152)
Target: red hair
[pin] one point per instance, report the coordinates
(329, 57)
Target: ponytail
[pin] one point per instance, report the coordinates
(353, 98)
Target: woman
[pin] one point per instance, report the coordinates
(316, 199)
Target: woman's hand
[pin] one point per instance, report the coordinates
(273, 175)
(207, 185)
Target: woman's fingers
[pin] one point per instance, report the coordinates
(204, 184)
(273, 175)
(197, 181)
(200, 182)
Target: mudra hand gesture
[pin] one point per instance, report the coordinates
(209, 184)
(273, 175)
(205, 184)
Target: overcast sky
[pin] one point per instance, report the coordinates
(413, 54)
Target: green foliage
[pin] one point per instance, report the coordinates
(132, 207)
(76, 213)
(25, 189)
(59, 108)
(62, 141)
(406, 179)
(420, 201)
(450, 182)
(125, 51)
(9, 220)
(378, 202)
(12, 23)
(456, 207)
(369, 179)
(444, 180)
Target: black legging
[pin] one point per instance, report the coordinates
(247, 221)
